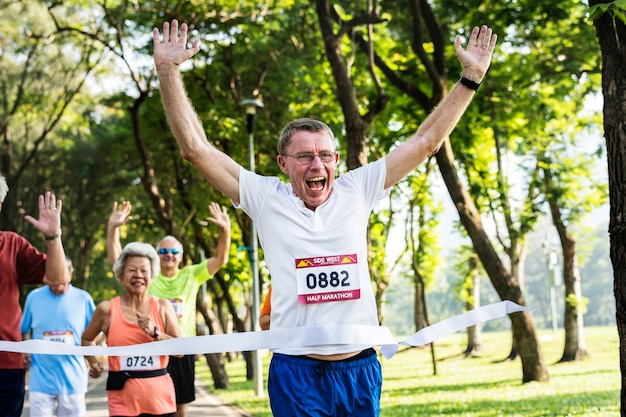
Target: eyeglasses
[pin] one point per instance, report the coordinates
(307, 158)
(165, 251)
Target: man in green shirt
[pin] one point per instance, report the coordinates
(179, 285)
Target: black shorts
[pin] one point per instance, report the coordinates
(183, 373)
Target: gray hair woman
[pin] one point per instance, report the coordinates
(137, 384)
(137, 249)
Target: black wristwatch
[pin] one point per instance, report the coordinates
(156, 333)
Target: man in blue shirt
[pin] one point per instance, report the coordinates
(57, 383)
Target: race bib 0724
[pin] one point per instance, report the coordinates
(139, 363)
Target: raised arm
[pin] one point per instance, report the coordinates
(120, 215)
(169, 53)
(220, 218)
(49, 223)
(475, 59)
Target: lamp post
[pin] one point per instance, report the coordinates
(552, 263)
(251, 106)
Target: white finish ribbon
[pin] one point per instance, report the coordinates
(452, 325)
(278, 338)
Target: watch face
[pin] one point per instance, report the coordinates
(157, 332)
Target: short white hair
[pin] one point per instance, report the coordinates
(4, 188)
(137, 249)
(177, 243)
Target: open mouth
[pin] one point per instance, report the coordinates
(138, 283)
(316, 183)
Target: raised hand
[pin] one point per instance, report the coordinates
(172, 50)
(120, 214)
(476, 57)
(49, 222)
(219, 216)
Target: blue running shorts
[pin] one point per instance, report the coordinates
(301, 386)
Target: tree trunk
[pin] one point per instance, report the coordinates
(421, 312)
(611, 33)
(507, 287)
(416, 244)
(419, 307)
(517, 257)
(215, 361)
(574, 347)
(474, 335)
(249, 358)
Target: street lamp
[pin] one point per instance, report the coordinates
(552, 263)
(251, 106)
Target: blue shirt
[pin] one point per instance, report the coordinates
(60, 318)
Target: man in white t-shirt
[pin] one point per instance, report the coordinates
(313, 229)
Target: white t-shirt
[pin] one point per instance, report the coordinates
(317, 259)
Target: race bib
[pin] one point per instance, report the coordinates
(177, 303)
(328, 278)
(139, 363)
(63, 336)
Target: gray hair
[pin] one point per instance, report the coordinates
(4, 188)
(69, 265)
(309, 125)
(137, 249)
(170, 237)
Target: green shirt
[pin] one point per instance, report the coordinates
(182, 290)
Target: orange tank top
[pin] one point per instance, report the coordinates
(140, 395)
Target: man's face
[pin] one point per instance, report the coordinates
(168, 259)
(312, 182)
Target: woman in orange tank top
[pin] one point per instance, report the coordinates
(137, 384)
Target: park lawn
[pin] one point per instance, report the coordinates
(476, 386)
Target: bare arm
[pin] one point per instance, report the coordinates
(120, 215)
(91, 335)
(28, 360)
(217, 167)
(172, 329)
(49, 223)
(220, 255)
(475, 59)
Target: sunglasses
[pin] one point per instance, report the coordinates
(165, 251)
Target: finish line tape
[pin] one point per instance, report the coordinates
(278, 338)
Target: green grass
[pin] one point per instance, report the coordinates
(476, 386)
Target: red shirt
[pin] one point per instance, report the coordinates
(20, 264)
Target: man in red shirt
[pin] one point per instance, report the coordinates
(21, 264)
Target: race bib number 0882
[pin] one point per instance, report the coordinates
(328, 278)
